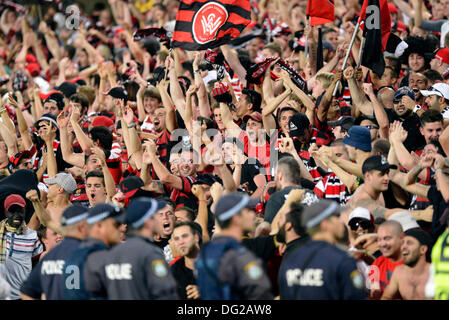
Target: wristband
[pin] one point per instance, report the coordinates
(417, 107)
(132, 125)
(196, 71)
(439, 169)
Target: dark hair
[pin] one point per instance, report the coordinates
(235, 141)
(95, 174)
(431, 115)
(395, 64)
(291, 169)
(294, 217)
(188, 224)
(104, 135)
(71, 50)
(433, 75)
(191, 214)
(188, 66)
(394, 73)
(81, 99)
(253, 97)
(225, 224)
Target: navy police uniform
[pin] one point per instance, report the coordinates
(47, 276)
(317, 270)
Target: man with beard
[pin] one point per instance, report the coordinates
(20, 247)
(389, 240)
(403, 107)
(437, 98)
(440, 62)
(313, 266)
(186, 239)
(410, 280)
(226, 270)
(418, 82)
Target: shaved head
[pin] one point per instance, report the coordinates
(395, 227)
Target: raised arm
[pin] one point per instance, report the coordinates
(76, 159)
(202, 217)
(108, 179)
(203, 101)
(85, 142)
(175, 88)
(267, 112)
(44, 217)
(326, 100)
(170, 114)
(23, 127)
(234, 62)
(229, 124)
(358, 96)
(49, 137)
(379, 111)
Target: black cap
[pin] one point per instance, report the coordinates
(141, 209)
(345, 122)
(103, 211)
(318, 211)
(118, 93)
(297, 124)
(67, 88)
(57, 98)
(423, 238)
(231, 204)
(49, 118)
(377, 162)
(74, 214)
(130, 185)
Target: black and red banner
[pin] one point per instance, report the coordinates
(205, 24)
(320, 11)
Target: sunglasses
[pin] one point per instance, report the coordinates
(363, 223)
(371, 127)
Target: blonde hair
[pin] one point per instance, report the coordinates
(325, 79)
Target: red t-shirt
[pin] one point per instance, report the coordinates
(382, 275)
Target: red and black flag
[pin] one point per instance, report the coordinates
(204, 24)
(376, 24)
(320, 11)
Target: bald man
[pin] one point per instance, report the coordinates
(386, 97)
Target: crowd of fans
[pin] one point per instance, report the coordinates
(90, 116)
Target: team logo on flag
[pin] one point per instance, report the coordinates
(207, 21)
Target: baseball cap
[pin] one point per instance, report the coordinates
(74, 214)
(404, 91)
(103, 211)
(405, 219)
(118, 93)
(14, 199)
(361, 213)
(423, 238)
(442, 55)
(205, 178)
(392, 8)
(231, 204)
(130, 185)
(67, 88)
(317, 212)
(439, 89)
(256, 116)
(358, 137)
(345, 122)
(297, 124)
(103, 121)
(44, 96)
(142, 208)
(64, 180)
(377, 162)
(33, 68)
(15, 160)
(47, 117)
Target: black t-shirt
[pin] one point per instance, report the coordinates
(183, 276)
(162, 243)
(439, 206)
(390, 199)
(411, 124)
(250, 169)
(262, 247)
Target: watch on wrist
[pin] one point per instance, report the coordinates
(132, 125)
(196, 71)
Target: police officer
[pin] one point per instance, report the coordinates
(47, 276)
(313, 268)
(136, 269)
(225, 268)
(83, 269)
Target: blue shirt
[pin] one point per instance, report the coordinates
(317, 270)
(47, 276)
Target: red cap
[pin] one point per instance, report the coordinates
(401, 27)
(3, 53)
(256, 116)
(392, 8)
(103, 121)
(14, 199)
(442, 55)
(33, 69)
(30, 58)
(44, 96)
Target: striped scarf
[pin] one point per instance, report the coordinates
(3, 230)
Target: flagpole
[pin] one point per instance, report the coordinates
(347, 54)
(362, 47)
(306, 50)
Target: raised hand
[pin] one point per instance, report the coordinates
(198, 192)
(348, 73)
(32, 195)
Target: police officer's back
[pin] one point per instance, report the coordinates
(314, 269)
(225, 268)
(136, 269)
(47, 276)
(83, 271)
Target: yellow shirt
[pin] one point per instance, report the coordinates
(144, 7)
